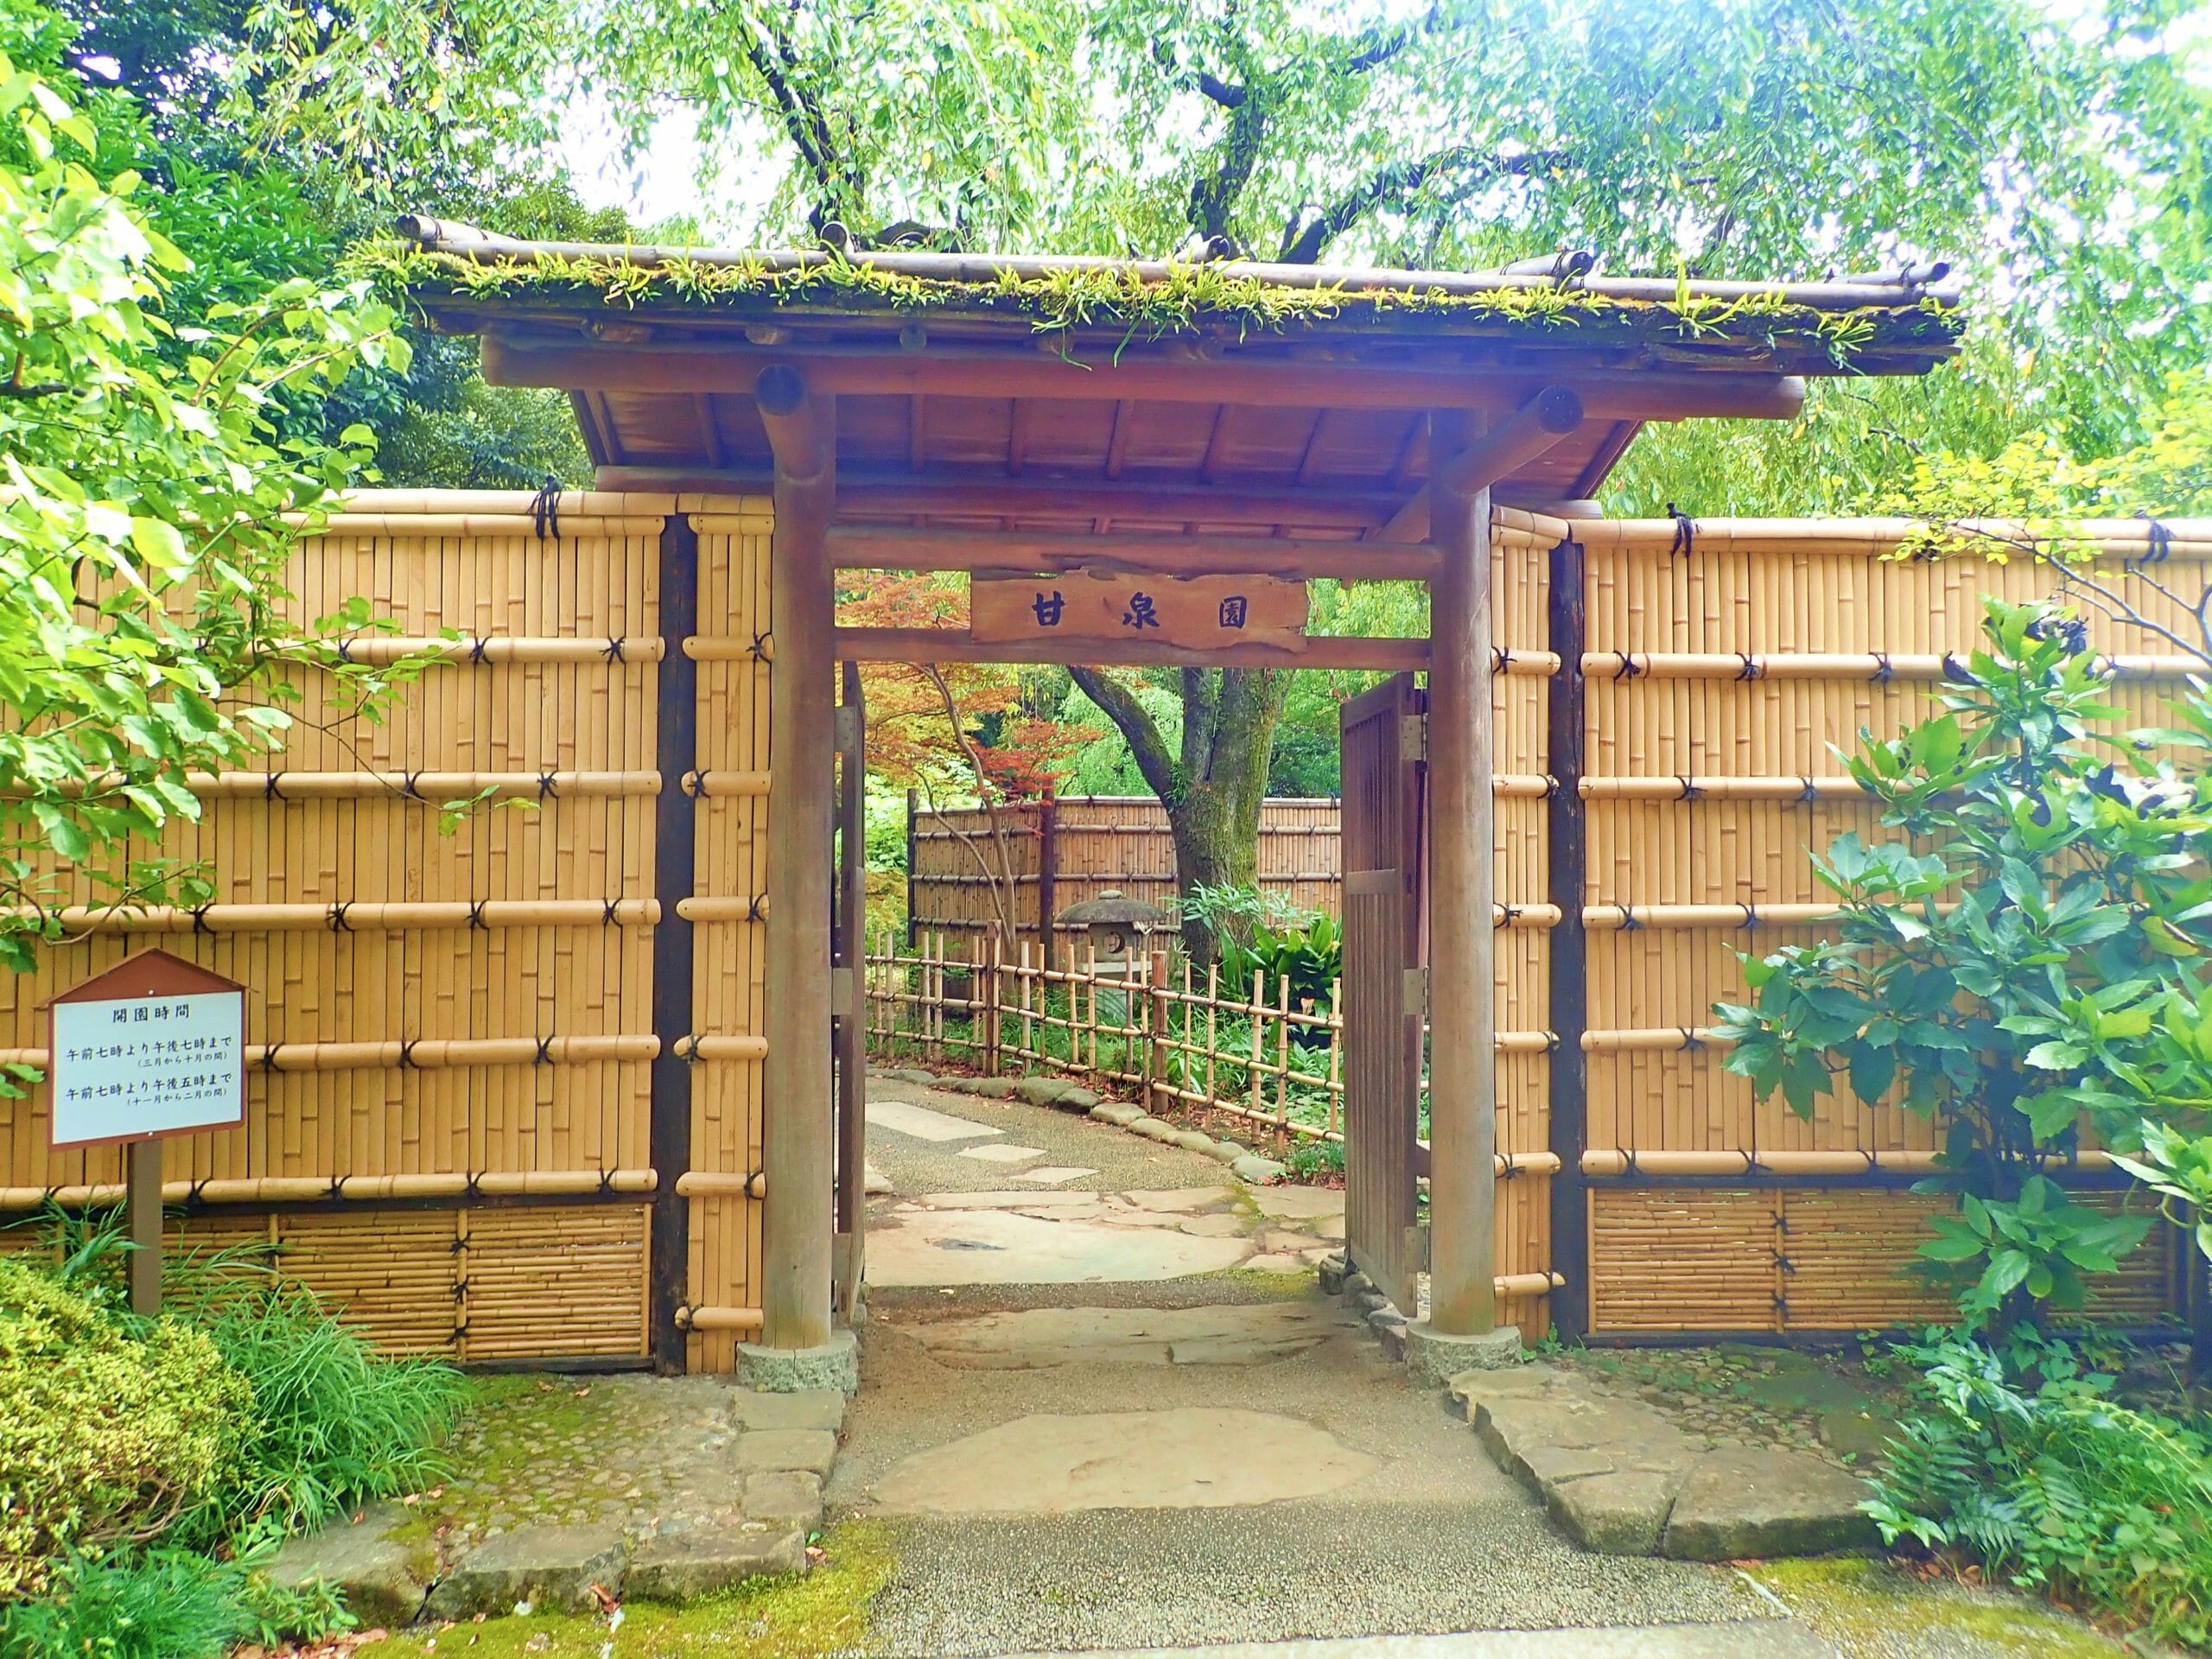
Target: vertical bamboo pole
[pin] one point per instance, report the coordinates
(143, 1211)
(1335, 1055)
(1283, 1059)
(796, 1137)
(1155, 1060)
(675, 856)
(1568, 945)
(1048, 871)
(1463, 1059)
(994, 952)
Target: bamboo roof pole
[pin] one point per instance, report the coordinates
(797, 1130)
(1531, 429)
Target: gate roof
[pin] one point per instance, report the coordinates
(1058, 393)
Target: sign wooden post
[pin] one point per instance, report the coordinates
(155, 1046)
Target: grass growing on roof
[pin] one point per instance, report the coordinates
(1190, 297)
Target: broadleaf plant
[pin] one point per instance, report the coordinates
(2026, 959)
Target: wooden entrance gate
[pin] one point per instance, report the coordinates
(1384, 775)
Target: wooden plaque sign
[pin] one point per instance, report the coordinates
(155, 1045)
(1188, 611)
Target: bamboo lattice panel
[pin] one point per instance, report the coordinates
(541, 931)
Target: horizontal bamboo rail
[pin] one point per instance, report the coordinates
(730, 648)
(1624, 1161)
(348, 918)
(423, 1054)
(1530, 1284)
(710, 1047)
(1830, 665)
(715, 1184)
(376, 649)
(432, 786)
(719, 1319)
(414, 526)
(2190, 538)
(724, 907)
(309, 1189)
(1629, 917)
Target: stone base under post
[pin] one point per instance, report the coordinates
(835, 1365)
(1433, 1358)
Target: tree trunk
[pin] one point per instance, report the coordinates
(1214, 789)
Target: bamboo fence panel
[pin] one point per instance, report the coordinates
(495, 1034)
(731, 863)
(1722, 676)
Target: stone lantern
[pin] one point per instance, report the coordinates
(1114, 931)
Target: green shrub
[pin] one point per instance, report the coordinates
(1313, 1160)
(109, 1432)
(333, 1423)
(162, 1605)
(2020, 1459)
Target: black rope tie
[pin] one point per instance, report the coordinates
(1808, 794)
(480, 649)
(345, 650)
(407, 1052)
(1751, 916)
(608, 918)
(545, 510)
(1685, 541)
(337, 1188)
(753, 911)
(1502, 660)
(1630, 923)
(1551, 788)
(196, 1194)
(1511, 913)
(410, 786)
(1691, 1041)
(200, 920)
(1629, 1166)
(548, 786)
(687, 1048)
(606, 1183)
(544, 1052)
(1630, 668)
(338, 921)
(759, 647)
(695, 785)
(476, 922)
(1551, 1042)
(612, 651)
(272, 787)
(1690, 790)
(2161, 539)
(1883, 672)
(268, 1061)
(1753, 668)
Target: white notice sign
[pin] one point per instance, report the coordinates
(147, 1065)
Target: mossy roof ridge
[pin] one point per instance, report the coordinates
(1164, 300)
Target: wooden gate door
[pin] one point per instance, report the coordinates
(848, 1021)
(1384, 778)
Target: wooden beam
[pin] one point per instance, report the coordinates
(955, 645)
(798, 1131)
(1463, 1037)
(1625, 395)
(1537, 426)
(1567, 947)
(1035, 496)
(867, 548)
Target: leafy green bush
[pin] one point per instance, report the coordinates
(2003, 963)
(333, 1423)
(1314, 1159)
(162, 1603)
(109, 1434)
(2020, 1458)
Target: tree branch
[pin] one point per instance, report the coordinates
(1136, 725)
(1304, 237)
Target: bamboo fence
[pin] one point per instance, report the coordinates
(454, 1038)
(506, 1097)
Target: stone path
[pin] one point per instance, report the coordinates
(664, 1488)
(1618, 1478)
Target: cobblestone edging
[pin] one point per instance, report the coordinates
(748, 1497)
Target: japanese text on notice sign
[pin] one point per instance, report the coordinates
(147, 1065)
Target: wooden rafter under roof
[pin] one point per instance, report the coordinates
(1091, 395)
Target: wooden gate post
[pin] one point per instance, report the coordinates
(797, 1133)
(675, 839)
(1462, 978)
(1155, 1047)
(1568, 945)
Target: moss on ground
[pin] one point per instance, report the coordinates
(824, 1612)
(1869, 1608)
